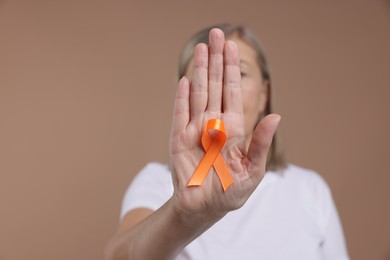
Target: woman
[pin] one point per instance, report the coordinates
(290, 215)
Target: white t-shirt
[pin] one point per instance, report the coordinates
(291, 215)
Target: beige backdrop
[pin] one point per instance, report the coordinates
(86, 96)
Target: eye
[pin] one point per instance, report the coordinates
(243, 74)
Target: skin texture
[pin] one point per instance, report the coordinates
(213, 90)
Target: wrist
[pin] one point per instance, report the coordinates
(193, 219)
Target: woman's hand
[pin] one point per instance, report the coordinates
(215, 92)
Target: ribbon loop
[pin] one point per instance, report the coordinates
(212, 146)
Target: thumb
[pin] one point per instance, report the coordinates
(261, 141)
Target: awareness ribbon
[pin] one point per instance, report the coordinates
(212, 157)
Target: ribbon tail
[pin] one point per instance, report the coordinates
(223, 172)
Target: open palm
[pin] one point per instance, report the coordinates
(215, 92)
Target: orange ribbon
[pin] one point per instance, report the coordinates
(212, 157)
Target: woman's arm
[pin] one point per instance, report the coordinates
(162, 234)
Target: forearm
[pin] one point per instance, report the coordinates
(162, 235)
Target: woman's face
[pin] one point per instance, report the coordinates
(254, 88)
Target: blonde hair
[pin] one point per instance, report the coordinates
(276, 159)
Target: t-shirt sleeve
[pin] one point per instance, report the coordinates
(150, 189)
(333, 245)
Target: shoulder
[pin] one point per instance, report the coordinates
(155, 167)
(153, 176)
(150, 188)
(306, 188)
(303, 178)
(154, 172)
(301, 185)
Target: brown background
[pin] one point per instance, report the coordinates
(86, 96)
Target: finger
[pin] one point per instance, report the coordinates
(232, 101)
(198, 93)
(261, 142)
(216, 43)
(181, 114)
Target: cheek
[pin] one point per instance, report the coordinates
(250, 100)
